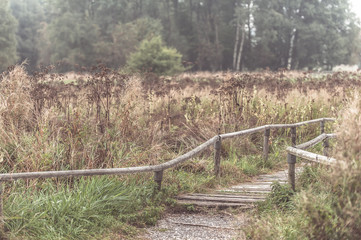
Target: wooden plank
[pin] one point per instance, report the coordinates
(233, 192)
(218, 199)
(268, 183)
(215, 204)
(253, 186)
(250, 191)
(228, 195)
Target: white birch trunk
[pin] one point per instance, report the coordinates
(240, 50)
(236, 42)
(290, 51)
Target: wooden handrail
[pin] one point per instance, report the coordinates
(315, 141)
(298, 151)
(311, 156)
(154, 168)
(274, 126)
(158, 169)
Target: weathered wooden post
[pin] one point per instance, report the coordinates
(158, 177)
(291, 159)
(293, 136)
(291, 170)
(266, 143)
(217, 156)
(325, 143)
(1, 207)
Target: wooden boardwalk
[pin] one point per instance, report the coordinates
(243, 195)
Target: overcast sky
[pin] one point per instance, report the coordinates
(356, 7)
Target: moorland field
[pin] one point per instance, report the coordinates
(107, 119)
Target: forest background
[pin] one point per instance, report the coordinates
(209, 35)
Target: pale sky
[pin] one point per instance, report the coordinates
(356, 7)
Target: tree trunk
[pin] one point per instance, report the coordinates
(240, 50)
(218, 48)
(238, 27)
(191, 9)
(291, 49)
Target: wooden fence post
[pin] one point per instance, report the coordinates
(293, 136)
(291, 170)
(1, 207)
(265, 143)
(322, 126)
(325, 143)
(291, 159)
(217, 156)
(158, 177)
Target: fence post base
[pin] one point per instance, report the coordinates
(265, 144)
(326, 147)
(1, 208)
(217, 156)
(158, 177)
(291, 170)
(325, 143)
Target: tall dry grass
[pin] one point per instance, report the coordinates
(108, 119)
(330, 206)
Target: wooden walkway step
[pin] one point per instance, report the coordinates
(242, 196)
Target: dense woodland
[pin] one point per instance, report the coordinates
(207, 34)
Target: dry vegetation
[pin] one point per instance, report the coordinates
(105, 119)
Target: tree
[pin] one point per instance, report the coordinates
(125, 38)
(304, 33)
(209, 34)
(7, 36)
(29, 15)
(73, 34)
(153, 56)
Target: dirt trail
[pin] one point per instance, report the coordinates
(211, 223)
(193, 226)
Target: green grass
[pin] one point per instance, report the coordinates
(98, 207)
(80, 209)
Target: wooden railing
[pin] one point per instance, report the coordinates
(159, 169)
(299, 151)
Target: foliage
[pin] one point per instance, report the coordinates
(153, 56)
(276, 34)
(73, 35)
(281, 198)
(30, 15)
(125, 38)
(8, 26)
(107, 119)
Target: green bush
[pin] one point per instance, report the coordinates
(153, 56)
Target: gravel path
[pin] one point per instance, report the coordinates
(191, 226)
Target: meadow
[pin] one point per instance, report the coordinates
(106, 119)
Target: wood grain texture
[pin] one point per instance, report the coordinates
(311, 156)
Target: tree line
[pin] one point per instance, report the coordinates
(208, 34)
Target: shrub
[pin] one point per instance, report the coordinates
(153, 56)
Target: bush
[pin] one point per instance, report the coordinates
(153, 56)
